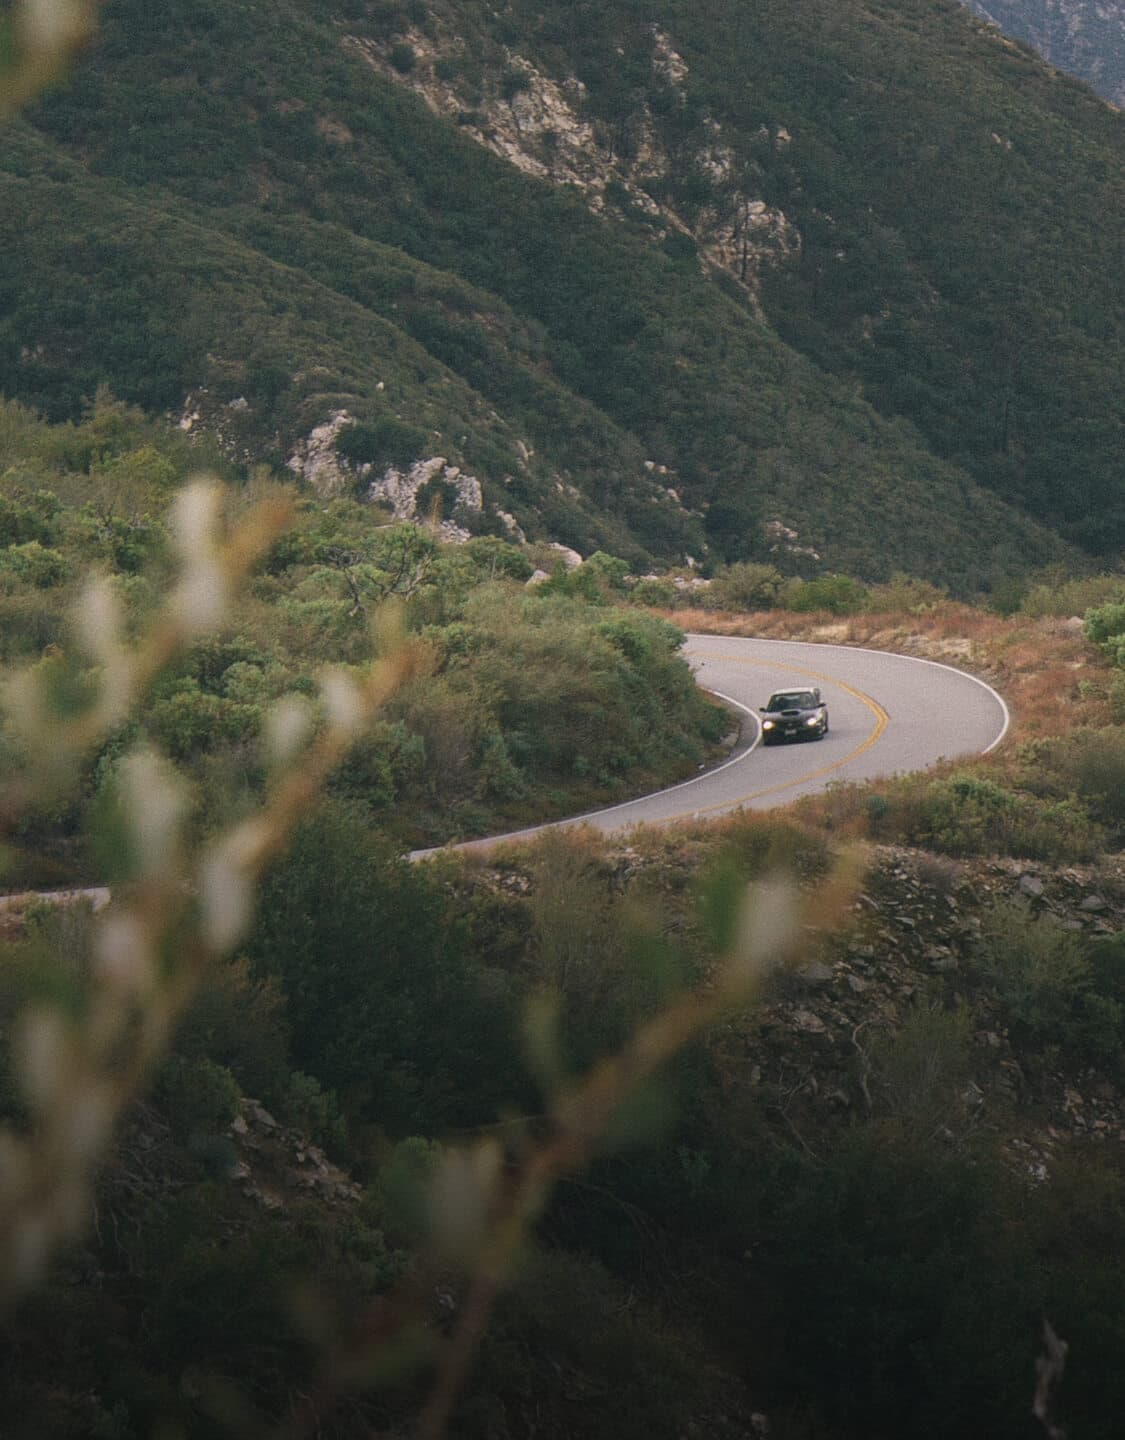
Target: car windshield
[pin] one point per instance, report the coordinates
(792, 700)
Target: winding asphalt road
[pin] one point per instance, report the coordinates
(889, 714)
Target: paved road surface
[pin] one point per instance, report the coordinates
(889, 714)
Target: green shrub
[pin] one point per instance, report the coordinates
(1091, 765)
(315, 1111)
(191, 721)
(35, 564)
(967, 814)
(653, 590)
(200, 1097)
(1058, 990)
(1064, 598)
(496, 559)
(882, 1272)
(610, 570)
(838, 594)
(238, 1021)
(649, 1378)
(1007, 594)
(397, 1199)
(905, 595)
(381, 442)
(1105, 623)
(514, 82)
(745, 586)
(403, 58)
(499, 778)
(31, 621)
(437, 499)
(24, 518)
(762, 843)
(921, 1067)
(385, 1007)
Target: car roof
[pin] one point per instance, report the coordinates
(795, 697)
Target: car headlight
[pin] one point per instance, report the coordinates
(813, 720)
(767, 724)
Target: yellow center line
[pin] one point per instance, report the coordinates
(881, 721)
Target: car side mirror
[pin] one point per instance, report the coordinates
(761, 709)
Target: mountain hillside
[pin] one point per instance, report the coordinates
(672, 284)
(1086, 37)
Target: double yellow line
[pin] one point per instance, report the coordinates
(881, 721)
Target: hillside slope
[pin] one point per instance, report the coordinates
(707, 351)
(1086, 37)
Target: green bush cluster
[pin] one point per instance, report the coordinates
(969, 813)
(863, 1265)
(199, 1096)
(1060, 990)
(1087, 764)
(381, 442)
(1063, 595)
(534, 701)
(756, 585)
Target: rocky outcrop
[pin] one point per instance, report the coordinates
(784, 539)
(400, 490)
(538, 125)
(570, 558)
(276, 1164)
(315, 461)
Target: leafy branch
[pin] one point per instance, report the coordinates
(182, 907)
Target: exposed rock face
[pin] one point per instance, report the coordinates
(666, 62)
(570, 558)
(278, 1164)
(536, 124)
(230, 423)
(315, 459)
(783, 537)
(512, 526)
(399, 489)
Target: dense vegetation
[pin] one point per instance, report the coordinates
(279, 224)
(735, 1246)
(273, 231)
(1088, 39)
(874, 1277)
(531, 701)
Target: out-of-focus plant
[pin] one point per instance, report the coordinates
(485, 1199)
(181, 902)
(37, 40)
(178, 904)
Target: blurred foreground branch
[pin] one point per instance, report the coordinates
(182, 906)
(489, 1213)
(1049, 1368)
(38, 39)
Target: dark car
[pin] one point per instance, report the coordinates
(794, 715)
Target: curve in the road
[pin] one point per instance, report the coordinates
(892, 714)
